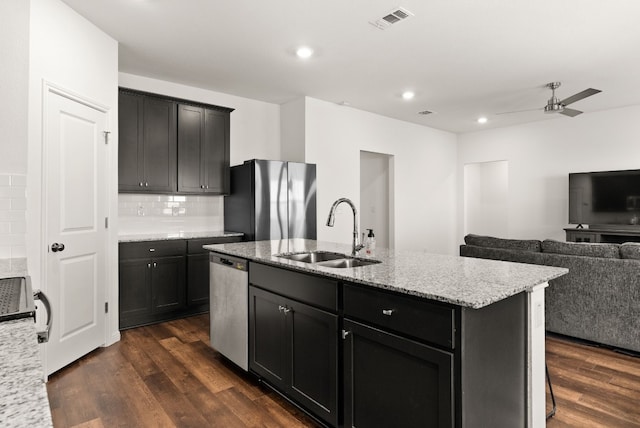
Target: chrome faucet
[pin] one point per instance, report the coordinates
(355, 246)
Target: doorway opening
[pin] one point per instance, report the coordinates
(486, 189)
(376, 200)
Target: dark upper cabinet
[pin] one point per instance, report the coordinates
(147, 146)
(168, 145)
(203, 150)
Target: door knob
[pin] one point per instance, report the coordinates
(55, 247)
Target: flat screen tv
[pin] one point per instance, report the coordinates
(605, 198)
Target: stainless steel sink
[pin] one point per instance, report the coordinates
(313, 256)
(348, 262)
(328, 259)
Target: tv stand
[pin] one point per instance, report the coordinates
(604, 234)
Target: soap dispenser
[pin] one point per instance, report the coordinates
(370, 243)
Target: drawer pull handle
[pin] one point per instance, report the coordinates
(345, 333)
(283, 309)
(151, 250)
(387, 312)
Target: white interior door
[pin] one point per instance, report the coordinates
(75, 185)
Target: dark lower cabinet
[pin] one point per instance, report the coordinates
(135, 290)
(163, 280)
(198, 284)
(168, 282)
(152, 281)
(198, 270)
(294, 346)
(359, 356)
(393, 381)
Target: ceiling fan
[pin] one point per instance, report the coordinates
(560, 106)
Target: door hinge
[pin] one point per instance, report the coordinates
(106, 222)
(106, 307)
(106, 136)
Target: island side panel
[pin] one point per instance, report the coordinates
(494, 364)
(536, 357)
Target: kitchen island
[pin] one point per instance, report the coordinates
(423, 339)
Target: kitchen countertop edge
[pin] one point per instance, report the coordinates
(493, 281)
(168, 236)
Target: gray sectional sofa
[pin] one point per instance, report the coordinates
(598, 300)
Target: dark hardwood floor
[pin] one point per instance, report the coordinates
(594, 387)
(167, 376)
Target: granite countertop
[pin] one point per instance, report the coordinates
(463, 281)
(165, 236)
(23, 393)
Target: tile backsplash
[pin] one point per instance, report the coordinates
(140, 213)
(13, 207)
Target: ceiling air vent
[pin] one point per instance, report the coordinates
(393, 17)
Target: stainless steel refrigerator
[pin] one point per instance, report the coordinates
(272, 200)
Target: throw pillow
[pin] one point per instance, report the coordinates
(630, 250)
(609, 251)
(507, 244)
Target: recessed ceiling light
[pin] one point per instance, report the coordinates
(482, 120)
(304, 52)
(408, 95)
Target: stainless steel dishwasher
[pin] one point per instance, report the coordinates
(229, 307)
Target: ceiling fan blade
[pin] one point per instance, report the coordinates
(580, 95)
(517, 111)
(570, 112)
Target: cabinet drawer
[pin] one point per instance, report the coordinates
(314, 290)
(135, 250)
(421, 319)
(194, 246)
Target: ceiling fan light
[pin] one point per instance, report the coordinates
(553, 108)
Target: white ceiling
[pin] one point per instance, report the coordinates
(463, 58)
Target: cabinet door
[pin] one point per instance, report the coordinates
(160, 145)
(198, 279)
(190, 144)
(267, 336)
(168, 276)
(215, 168)
(313, 338)
(130, 147)
(392, 381)
(134, 290)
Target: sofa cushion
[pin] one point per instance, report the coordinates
(507, 244)
(630, 250)
(609, 251)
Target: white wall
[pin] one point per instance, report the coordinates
(292, 129)
(69, 52)
(14, 90)
(424, 176)
(14, 85)
(486, 198)
(255, 125)
(540, 157)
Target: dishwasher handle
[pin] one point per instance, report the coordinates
(229, 261)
